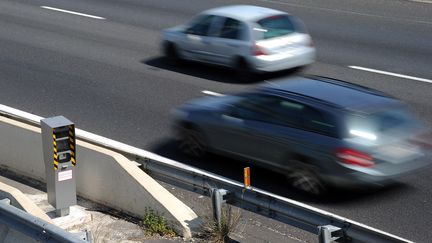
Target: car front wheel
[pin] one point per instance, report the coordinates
(171, 52)
(244, 71)
(191, 142)
(307, 181)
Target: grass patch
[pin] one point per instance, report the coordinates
(156, 224)
(229, 222)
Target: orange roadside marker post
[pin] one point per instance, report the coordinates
(246, 173)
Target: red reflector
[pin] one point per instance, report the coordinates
(354, 157)
(257, 50)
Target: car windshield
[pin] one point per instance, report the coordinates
(275, 26)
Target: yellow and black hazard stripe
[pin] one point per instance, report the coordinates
(72, 144)
(55, 152)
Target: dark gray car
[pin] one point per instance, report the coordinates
(317, 131)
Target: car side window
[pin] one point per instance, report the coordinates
(270, 109)
(254, 107)
(285, 112)
(289, 112)
(319, 122)
(232, 29)
(304, 117)
(201, 25)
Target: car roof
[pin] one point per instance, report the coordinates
(332, 92)
(243, 12)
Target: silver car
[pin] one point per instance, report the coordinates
(248, 38)
(319, 132)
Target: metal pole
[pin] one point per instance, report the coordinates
(217, 206)
(218, 196)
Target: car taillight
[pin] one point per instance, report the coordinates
(257, 50)
(354, 157)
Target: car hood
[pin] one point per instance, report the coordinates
(178, 28)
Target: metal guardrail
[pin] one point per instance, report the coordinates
(33, 227)
(326, 225)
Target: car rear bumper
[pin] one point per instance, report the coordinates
(282, 61)
(376, 178)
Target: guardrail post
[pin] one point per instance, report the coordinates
(84, 235)
(218, 196)
(329, 233)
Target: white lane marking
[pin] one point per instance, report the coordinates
(421, 1)
(391, 74)
(72, 12)
(207, 92)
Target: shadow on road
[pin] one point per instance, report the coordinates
(271, 181)
(212, 72)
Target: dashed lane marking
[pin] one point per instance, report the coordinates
(207, 92)
(391, 74)
(72, 12)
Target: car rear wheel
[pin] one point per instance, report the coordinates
(244, 72)
(299, 70)
(307, 181)
(192, 142)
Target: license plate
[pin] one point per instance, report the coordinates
(398, 153)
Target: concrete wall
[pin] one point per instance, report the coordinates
(102, 176)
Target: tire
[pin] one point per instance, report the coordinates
(244, 72)
(192, 142)
(306, 180)
(171, 53)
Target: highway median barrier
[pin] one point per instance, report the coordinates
(102, 176)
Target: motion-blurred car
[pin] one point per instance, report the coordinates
(247, 38)
(318, 131)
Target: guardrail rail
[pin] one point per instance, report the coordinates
(33, 227)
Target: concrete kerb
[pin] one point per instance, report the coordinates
(103, 176)
(21, 201)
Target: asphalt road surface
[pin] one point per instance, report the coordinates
(100, 66)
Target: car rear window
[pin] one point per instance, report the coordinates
(390, 119)
(384, 121)
(275, 26)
